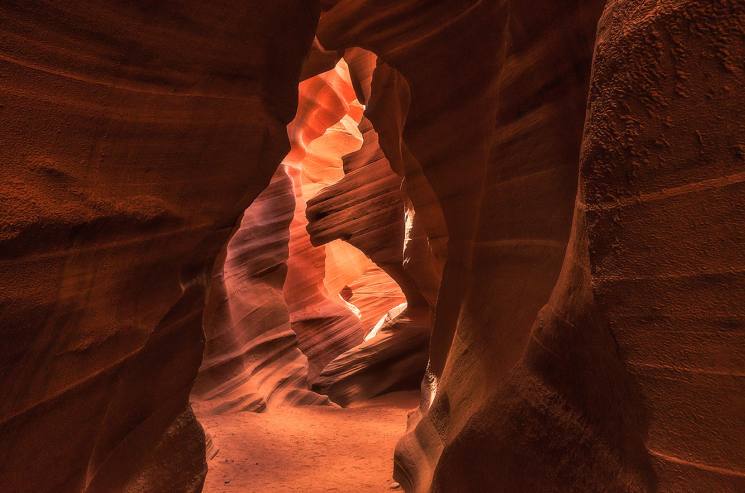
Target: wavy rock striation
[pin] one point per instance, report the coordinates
(366, 209)
(586, 334)
(322, 131)
(597, 390)
(251, 357)
(126, 160)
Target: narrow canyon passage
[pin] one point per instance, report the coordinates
(462, 246)
(303, 316)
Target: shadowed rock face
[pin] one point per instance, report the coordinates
(134, 135)
(662, 188)
(598, 390)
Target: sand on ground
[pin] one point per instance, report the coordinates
(307, 449)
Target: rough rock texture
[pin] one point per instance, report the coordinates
(629, 379)
(126, 160)
(251, 358)
(662, 175)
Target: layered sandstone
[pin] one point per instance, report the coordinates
(392, 357)
(345, 265)
(133, 136)
(321, 132)
(570, 202)
(251, 358)
(366, 209)
(581, 395)
(274, 293)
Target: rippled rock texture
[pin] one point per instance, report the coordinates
(626, 379)
(276, 290)
(566, 189)
(251, 357)
(366, 209)
(323, 130)
(134, 136)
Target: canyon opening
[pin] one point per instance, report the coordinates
(361, 246)
(304, 314)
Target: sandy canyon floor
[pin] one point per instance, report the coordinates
(307, 449)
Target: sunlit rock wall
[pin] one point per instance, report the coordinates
(367, 209)
(332, 294)
(251, 358)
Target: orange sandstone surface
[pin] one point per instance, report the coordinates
(277, 213)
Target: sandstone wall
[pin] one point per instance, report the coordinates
(134, 135)
(627, 378)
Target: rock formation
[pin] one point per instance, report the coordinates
(134, 136)
(392, 358)
(578, 394)
(278, 289)
(251, 356)
(366, 209)
(321, 132)
(564, 213)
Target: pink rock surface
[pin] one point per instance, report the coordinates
(251, 359)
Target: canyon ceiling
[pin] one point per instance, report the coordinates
(548, 199)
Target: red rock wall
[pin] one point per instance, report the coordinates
(324, 325)
(627, 379)
(134, 135)
(252, 358)
(366, 209)
(587, 342)
(320, 134)
(663, 193)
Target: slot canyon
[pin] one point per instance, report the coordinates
(368, 245)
